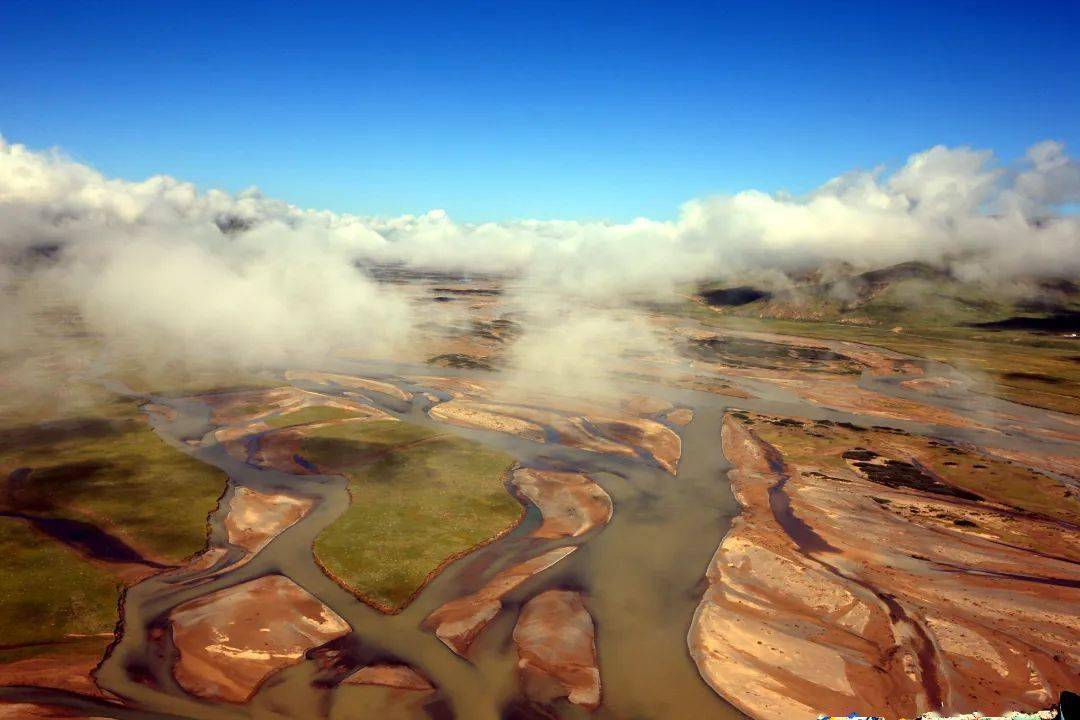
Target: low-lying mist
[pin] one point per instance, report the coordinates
(159, 273)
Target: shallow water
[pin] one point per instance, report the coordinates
(641, 575)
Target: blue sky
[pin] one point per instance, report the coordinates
(546, 109)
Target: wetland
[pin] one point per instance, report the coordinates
(762, 524)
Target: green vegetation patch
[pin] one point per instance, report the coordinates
(1037, 370)
(179, 379)
(418, 498)
(824, 445)
(114, 472)
(309, 415)
(1007, 483)
(745, 352)
(86, 482)
(49, 591)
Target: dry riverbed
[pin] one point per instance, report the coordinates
(873, 571)
(443, 543)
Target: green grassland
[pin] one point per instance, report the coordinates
(179, 379)
(1028, 368)
(308, 415)
(104, 466)
(113, 471)
(49, 591)
(818, 445)
(70, 449)
(418, 499)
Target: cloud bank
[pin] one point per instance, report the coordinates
(943, 202)
(257, 280)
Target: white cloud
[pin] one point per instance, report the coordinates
(256, 279)
(149, 269)
(1052, 179)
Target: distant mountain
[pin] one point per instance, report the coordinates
(908, 294)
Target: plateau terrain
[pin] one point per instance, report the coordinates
(784, 507)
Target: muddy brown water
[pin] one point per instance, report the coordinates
(641, 575)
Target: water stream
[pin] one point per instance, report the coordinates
(641, 575)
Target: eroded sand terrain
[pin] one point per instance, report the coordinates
(458, 622)
(556, 646)
(886, 580)
(570, 503)
(232, 640)
(595, 431)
